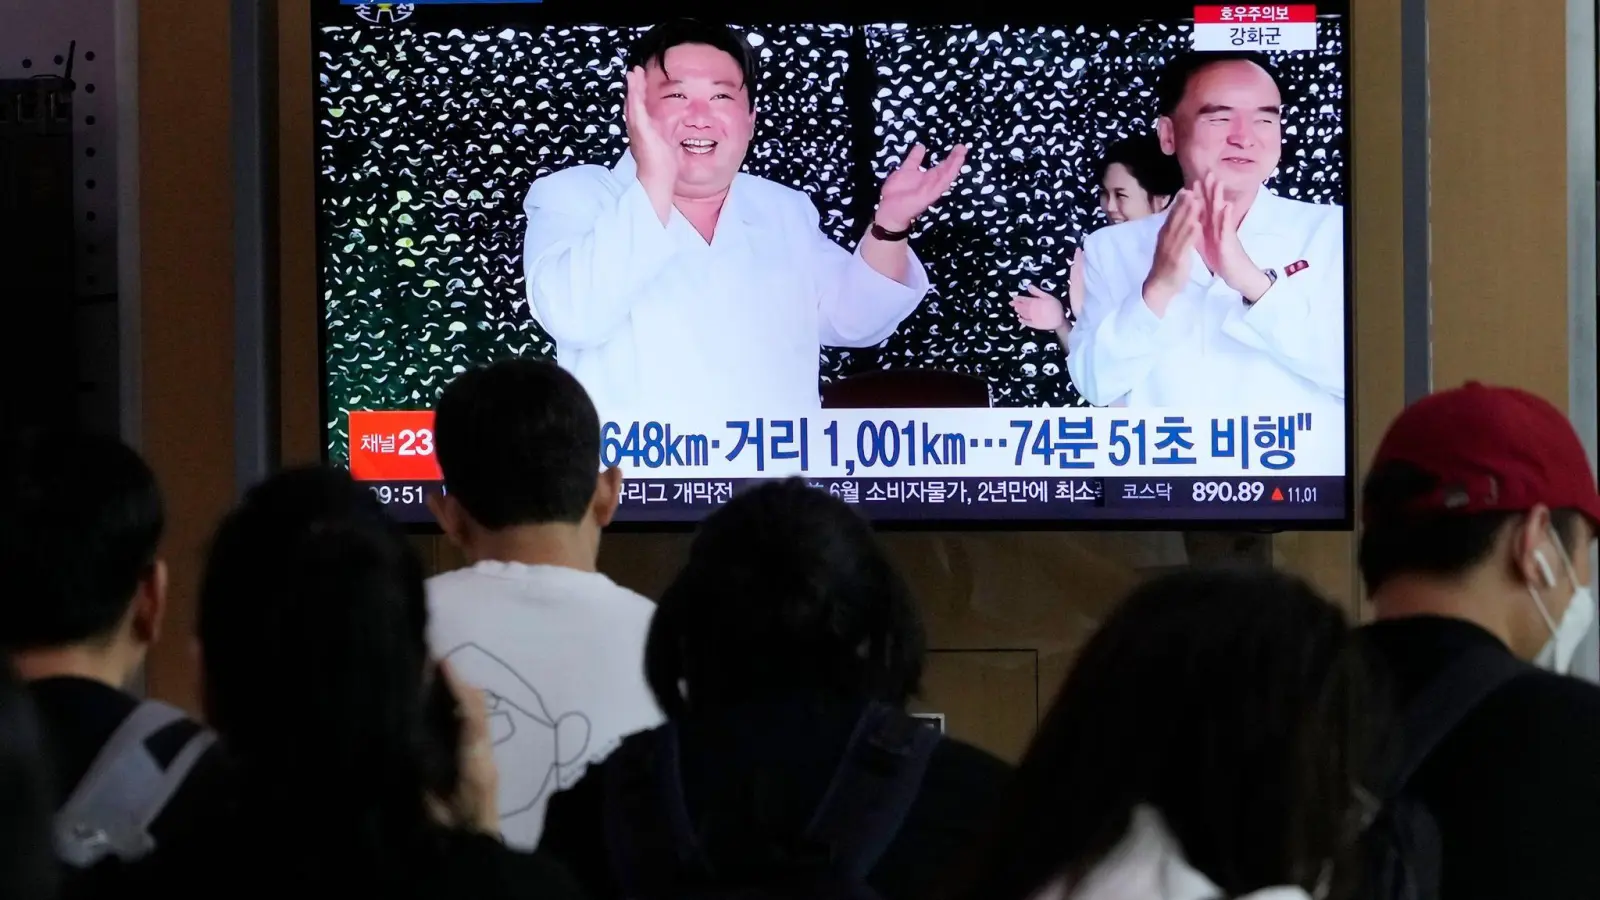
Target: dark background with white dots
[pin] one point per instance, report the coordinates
(427, 140)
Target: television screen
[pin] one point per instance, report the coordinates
(1022, 264)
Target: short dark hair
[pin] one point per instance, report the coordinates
(652, 46)
(1233, 701)
(1173, 82)
(1396, 541)
(786, 591)
(518, 442)
(80, 522)
(1158, 173)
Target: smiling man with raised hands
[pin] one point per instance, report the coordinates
(671, 280)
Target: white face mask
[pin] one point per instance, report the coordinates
(1565, 636)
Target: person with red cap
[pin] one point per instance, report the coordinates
(1478, 514)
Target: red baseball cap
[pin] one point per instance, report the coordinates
(1493, 449)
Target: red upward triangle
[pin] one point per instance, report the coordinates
(1277, 495)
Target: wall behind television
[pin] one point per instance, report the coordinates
(1007, 610)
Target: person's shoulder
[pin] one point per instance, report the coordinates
(575, 184)
(1561, 695)
(1124, 236)
(1311, 213)
(1537, 720)
(446, 587)
(623, 598)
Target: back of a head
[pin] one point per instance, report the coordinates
(786, 591)
(80, 521)
(27, 858)
(312, 626)
(1455, 469)
(1159, 174)
(518, 443)
(1198, 696)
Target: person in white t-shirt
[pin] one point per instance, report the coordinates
(557, 647)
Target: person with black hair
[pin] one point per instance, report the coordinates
(28, 869)
(784, 654)
(1233, 296)
(558, 646)
(1479, 513)
(1134, 179)
(80, 527)
(363, 764)
(1205, 744)
(671, 278)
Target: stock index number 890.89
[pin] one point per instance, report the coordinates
(1229, 491)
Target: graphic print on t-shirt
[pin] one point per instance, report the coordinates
(531, 745)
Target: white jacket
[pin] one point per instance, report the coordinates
(654, 320)
(1284, 355)
(1148, 865)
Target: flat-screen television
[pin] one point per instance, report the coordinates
(1015, 264)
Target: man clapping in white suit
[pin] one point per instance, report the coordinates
(1233, 298)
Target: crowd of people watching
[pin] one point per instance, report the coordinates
(1225, 732)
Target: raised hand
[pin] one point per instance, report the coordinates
(1037, 309)
(1170, 270)
(657, 158)
(910, 189)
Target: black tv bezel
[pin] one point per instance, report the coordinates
(1012, 13)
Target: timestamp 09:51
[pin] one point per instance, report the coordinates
(400, 494)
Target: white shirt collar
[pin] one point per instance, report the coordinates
(1148, 864)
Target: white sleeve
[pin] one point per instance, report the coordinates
(1299, 321)
(1118, 340)
(588, 255)
(856, 305)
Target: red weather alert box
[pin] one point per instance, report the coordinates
(393, 445)
(1265, 27)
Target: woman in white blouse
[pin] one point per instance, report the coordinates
(1134, 179)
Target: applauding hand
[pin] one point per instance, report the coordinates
(1221, 248)
(1037, 309)
(655, 156)
(910, 189)
(1172, 265)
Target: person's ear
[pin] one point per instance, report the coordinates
(450, 516)
(607, 496)
(1167, 135)
(1159, 202)
(150, 604)
(1531, 552)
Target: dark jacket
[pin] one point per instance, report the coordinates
(786, 753)
(78, 716)
(1515, 787)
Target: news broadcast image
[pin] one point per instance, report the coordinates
(1033, 377)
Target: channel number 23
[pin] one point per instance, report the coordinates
(418, 442)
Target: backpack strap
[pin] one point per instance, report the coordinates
(873, 789)
(125, 789)
(1445, 702)
(648, 831)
